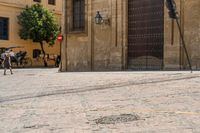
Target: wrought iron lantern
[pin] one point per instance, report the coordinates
(171, 5)
(98, 18)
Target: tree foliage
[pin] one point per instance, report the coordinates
(39, 25)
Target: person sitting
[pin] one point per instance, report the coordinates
(12, 54)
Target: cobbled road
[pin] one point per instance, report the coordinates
(45, 101)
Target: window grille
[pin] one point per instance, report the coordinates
(3, 28)
(52, 2)
(78, 15)
(36, 53)
(37, 0)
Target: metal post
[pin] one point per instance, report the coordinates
(173, 14)
(184, 46)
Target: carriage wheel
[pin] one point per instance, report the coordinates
(27, 62)
(14, 64)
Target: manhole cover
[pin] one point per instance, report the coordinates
(113, 119)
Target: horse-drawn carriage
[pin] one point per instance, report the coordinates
(18, 59)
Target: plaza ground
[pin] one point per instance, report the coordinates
(45, 101)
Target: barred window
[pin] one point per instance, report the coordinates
(4, 28)
(36, 53)
(51, 2)
(78, 15)
(37, 0)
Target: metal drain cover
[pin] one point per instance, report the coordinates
(113, 119)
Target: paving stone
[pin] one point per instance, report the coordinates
(45, 101)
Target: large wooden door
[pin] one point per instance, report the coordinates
(145, 34)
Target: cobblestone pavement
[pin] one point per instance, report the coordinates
(45, 101)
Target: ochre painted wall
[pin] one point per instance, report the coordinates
(11, 9)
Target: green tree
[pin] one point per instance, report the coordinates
(39, 25)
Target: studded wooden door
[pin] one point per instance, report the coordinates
(145, 34)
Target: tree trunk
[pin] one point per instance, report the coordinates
(43, 52)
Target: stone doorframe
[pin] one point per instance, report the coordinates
(174, 57)
(125, 35)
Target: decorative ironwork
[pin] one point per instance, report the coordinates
(145, 34)
(37, 0)
(52, 2)
(78, 15)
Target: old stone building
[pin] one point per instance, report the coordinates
(134, 35)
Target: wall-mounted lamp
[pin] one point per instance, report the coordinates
(100, 20)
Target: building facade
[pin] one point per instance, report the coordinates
(134, 34)
(9, 28)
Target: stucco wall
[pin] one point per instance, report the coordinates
(22, 3)
(11, 9)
